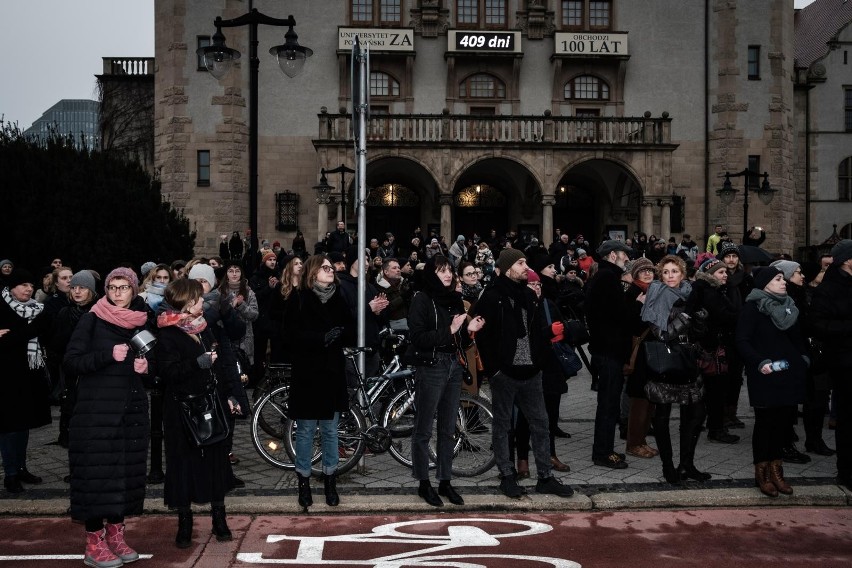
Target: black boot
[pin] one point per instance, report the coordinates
(220, 523)
(670, 473)
(13, 484)
(687, 469)
(184, 532)
(332, 499)
(305, 497)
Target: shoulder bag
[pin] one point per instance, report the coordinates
(202, 415)
(673, 363)
(713, 363)
(565, 354)
(630, 367)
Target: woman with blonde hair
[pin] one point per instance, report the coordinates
(154, 285)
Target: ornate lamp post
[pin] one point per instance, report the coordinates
(218, 59)
(342, 170)
(323, 198)
(728, 193)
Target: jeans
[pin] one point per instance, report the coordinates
(436, 397)
(305, 429)
(610, 383)
(13, 450)
(529, 396)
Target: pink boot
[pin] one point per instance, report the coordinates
(98, 554)
(115, 541)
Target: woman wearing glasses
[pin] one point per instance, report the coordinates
(317, 324)
(108, 432)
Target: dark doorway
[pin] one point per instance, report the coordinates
(392, 208)
(480, 208)
(574, 212)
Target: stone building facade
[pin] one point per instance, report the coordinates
(586, 116)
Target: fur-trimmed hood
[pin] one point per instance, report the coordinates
(708, 278)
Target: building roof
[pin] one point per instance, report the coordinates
(816, 25)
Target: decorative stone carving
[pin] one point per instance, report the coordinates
(536, 21)
(429, 20)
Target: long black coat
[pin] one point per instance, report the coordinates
(109, 428)
(318, 383)
(758, 340)
(26, 390)
(193, 475)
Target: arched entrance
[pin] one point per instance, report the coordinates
(478, 209)
(394, 208)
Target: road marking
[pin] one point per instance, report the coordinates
(57, 557)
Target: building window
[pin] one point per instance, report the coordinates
(203, 41)
(482, 86)
(383, 85)
(844, 180)
(364, 11)
(481, 13)
(587, 14)
(203, 168)
(848, 108)
(287, 208)
(587, 87)
(754, 62)
(754, 166)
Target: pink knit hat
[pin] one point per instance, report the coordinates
(126, 274)
(532, 276)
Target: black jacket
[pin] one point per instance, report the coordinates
(831, 317)
(372, 322)
(607, 313)
(722, 314)
(429, 325)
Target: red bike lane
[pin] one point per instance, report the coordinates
(710, 538)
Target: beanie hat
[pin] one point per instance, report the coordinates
(638, 265)
(787, 267)
(148, 267)
(460, 238)
(6, 261)
(267, 256)
(276, 244)
(84, 279)
(126, 274)
(841, 252)
(203, 272)
(764, 275)
(581, 252)
(711, 266)
(532, 276)
(233, 262)
(507, 258)
(727, 248)
(433, 242)
(20, 276)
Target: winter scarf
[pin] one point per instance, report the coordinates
(122, 317)
(516, 292)
(28, 310)
(781, 310)
(471, 293)
(154, 294)
(184, 321)
(324, 293)
(659, 301)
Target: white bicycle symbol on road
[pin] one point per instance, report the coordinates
(460, 533)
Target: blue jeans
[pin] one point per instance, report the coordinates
(529, 396)
(13, 450)
(610, 383)
(305, 429)
(436, 396)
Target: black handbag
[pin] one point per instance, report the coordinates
(673, 363)
(203, 417)
(565, 354)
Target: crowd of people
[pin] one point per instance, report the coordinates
(666, 325)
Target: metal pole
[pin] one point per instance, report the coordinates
(361, 63)
(745, 204)
(254, 64)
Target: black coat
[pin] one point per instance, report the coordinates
(193, 475)
(759, 341)
(25, 390)
(109, 428)
(831, 317)
(607, 313)
(318, 383)
(708, 294)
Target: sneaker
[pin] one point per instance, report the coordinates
(238, 483)
(791, 454)
(510, 488)
(553, 486)
(612, 461)
(722, 436)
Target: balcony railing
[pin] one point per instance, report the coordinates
(128, 65)
(505, 129)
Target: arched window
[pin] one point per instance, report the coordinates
(587, 87)
(482, 86)
(844, 180)
(383, 85)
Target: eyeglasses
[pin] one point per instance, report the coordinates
(327, 268)
(651, 270)
(471, 273)
(123, 288)
(534, 284)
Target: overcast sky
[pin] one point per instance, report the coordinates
(52, 49)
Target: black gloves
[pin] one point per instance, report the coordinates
(332, 335)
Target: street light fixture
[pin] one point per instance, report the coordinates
(342, 170)
(323, 189)
(727, 194)
(218, 59)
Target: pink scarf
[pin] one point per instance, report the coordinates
(189, 323)
(122, 317)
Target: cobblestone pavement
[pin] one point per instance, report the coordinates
(730, 465)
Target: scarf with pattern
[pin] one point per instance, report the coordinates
(28, 310)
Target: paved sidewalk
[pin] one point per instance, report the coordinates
(382, 484)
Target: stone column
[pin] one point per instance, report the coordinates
(547, 202)
(446, 202)
(322, 220)
(648, 217)
(665, 220)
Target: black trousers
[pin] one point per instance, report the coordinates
(771, 432)
(691, 419)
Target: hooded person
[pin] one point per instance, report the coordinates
(458, 251)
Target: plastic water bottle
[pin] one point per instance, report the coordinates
(780, 365)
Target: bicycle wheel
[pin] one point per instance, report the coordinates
(276, 375)
(350, 441)
(474, 453)
(268, 427)
(398, 418)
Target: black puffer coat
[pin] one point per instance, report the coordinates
(109, 429)
(318, 384)
(193, 475)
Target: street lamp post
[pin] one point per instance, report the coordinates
(342, 170)
(728, 193)
(218, 59)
